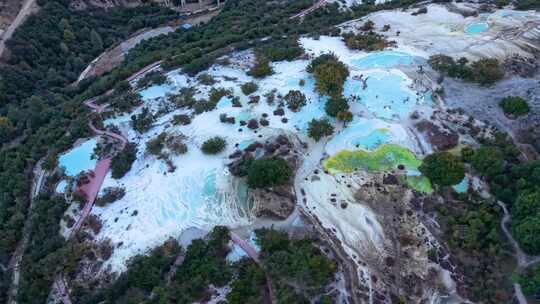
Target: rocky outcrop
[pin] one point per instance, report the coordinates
(404, 270)
(521, 66)
(276, 202)
(441, 139)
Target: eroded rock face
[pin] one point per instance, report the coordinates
(276, 202)
(403, 270)
(521, 66)
(441, 139)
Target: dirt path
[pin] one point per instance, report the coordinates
(310, 9)
(113, 57)
(254, 255)
(523, 260)
(26, 9)
(100, 171)
(61, 287)
(15, 261)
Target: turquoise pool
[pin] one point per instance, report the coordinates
(386, 94)
(384, 59)
(463, 186)
(476, 28)
(79, 159)
(224, 102)
(373, 140)
(156, 91)
(61, 187)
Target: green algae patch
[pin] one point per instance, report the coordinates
(419, 183)
(385, 158)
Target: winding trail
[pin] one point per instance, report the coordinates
(523, 260)
(25, 11)
(61, 286)
(310, 9)
(254, 255)
(96, 180)
(16, 258)
(90, 190)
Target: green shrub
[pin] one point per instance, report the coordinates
(216, 94)
(334, 105)
(443, 169)
(151, 78)
(204, 105)
(368, 42)
(181, 119)
(142, 122)
(156, 144)
(206, 79)
(295, 262)
(318, 129)
(213, 145)
(526, 221)
(530, 280)
(121, 162)
(175, 143)
(283, 49)
(514, 106)
(330, 74)
(110, 195)
(484, 71)
(268, 172)
(345, 116)
(488, 161)
(249, 87)
(527, 4)
(261, 68)
(295, 100)
(184, 98)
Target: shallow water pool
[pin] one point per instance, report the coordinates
(238, 253)
(463, 186)
(79, 159)
(385, 59)
(476, 28)
(61, 187)
(385, 94)
(156, 91)
(224, 102)
(359, 134)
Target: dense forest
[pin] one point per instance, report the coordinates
(38, 115)
(298, 269)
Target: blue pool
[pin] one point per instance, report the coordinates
(385, 59)
(61, 187)
(156, 91)
(373, 140)
(79, 158)
(245, 143)
(386, 94)
(463, 186)
(224, 102)
(360, 134)
(476, 28)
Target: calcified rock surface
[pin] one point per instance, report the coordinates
(443, 29)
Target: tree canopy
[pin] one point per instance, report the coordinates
(443, 169)
(268, 172)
